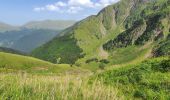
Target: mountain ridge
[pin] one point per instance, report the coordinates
(110, 23)
(26, 38)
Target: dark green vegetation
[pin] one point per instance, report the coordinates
(60, 51)
(163, 48)
(9, 50)
(120, 33)
(148, 80)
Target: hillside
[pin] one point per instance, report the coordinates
(146, 80)
(26, 40)
(9, 50)
(10, 63)
(120, 33)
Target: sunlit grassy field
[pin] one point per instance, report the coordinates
(68, 87)
(17, 63)
(149, 80)
(33, 79)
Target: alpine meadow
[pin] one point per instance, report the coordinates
(120, 53)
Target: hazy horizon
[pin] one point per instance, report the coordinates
(19, 12)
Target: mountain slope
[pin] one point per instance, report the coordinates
(130, 25)
(92, 31)
(9, 50)
(26, 40)
(18, 63)
(147, 80)
(32, 35)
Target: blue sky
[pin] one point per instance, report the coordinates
(18, 12)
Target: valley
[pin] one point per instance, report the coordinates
(121, 53)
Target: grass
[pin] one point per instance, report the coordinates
(15, 63)
(126, 55)
(32, 87)
(147, 80)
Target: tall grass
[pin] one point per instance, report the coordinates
(33, 87)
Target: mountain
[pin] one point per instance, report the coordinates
(120, 33)
(26, 40)
(5, 27)
(30, 36)
(49, 24)
(9, 50)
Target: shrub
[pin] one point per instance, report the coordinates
(92, 60)
(164, 66)
(102, 66)
(104, 61)
(140, 94)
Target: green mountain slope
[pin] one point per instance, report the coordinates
(120, 33)
(147, 80)
(163, 48)
(17, 63)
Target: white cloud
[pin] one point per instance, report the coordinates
(74, 10)
(39, 9)
(60, 4)
(75, 6)
(85, 3)
(52, 8)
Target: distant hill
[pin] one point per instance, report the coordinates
(26, 40)
(32, 35)
(9, 50)
(5, 27)
(121, 33)
(49, 24)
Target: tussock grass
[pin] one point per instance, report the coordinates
(32, 87)
(146, 81)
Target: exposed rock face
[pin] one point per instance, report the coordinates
(148, 27)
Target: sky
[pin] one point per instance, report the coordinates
(19, 12)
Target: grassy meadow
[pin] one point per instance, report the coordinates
(68, 87)
(149, 79)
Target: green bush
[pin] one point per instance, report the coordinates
(104, 61)
(102, 66)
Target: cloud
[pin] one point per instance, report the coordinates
(74, 10)
(39, 9)
(84, 3)
(52, 7)
(75, 6)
